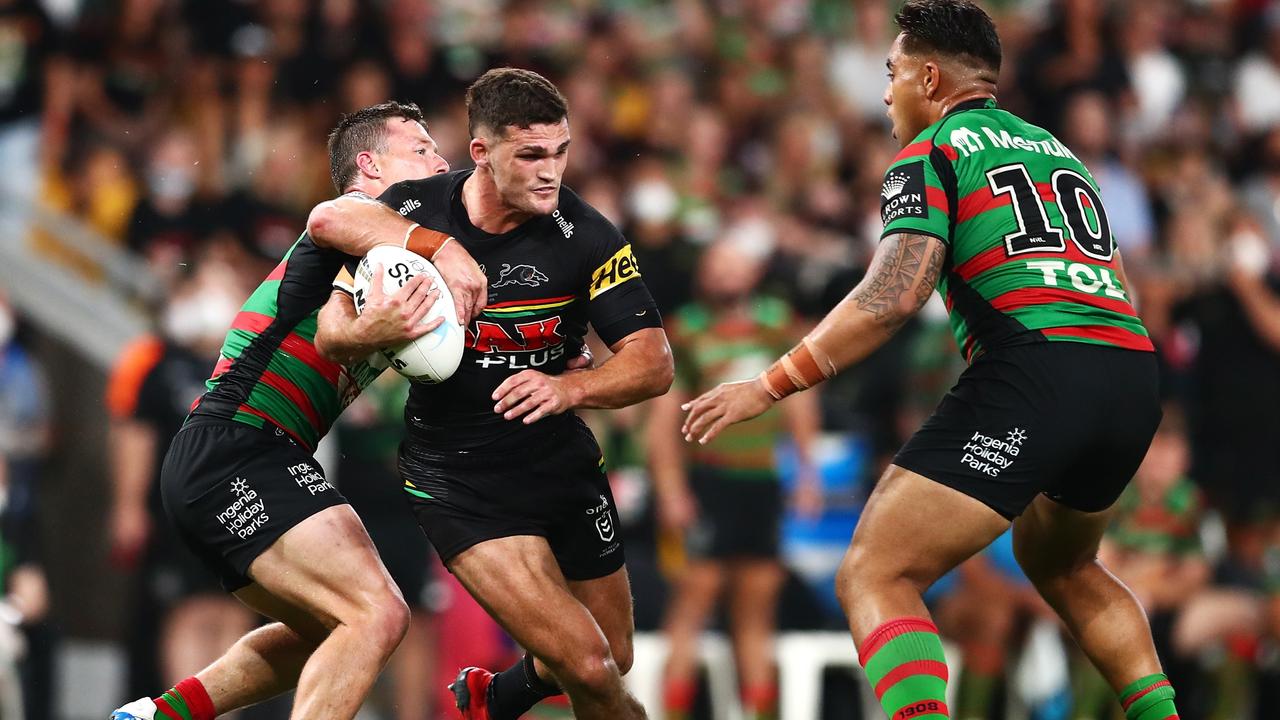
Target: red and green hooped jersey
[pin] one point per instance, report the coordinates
(1030, 255)
(269, 369)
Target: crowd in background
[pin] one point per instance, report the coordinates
(192, 135)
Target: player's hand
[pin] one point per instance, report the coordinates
(530, 393)
(677, 509)
(582, 361)
(722, 406)
(390, 320)
(469, 286)
(130, 529)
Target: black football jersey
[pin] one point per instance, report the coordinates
(548, 278)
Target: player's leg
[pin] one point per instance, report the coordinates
(912, 532)
(694, 599)
(753, 612)
(1057, 548)
(519, 582)
(413, 661)
(327, 565)
(197, 631)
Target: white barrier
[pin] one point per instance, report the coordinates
(802, 658)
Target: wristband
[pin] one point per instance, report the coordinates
(424, 242)
(803, 367)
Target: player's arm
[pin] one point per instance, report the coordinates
(666, 460)
(345, 337)
(355, 223)
(640, 368)
(903, 274)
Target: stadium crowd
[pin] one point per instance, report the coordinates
(192, 134)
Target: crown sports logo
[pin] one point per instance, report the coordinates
(903, 193)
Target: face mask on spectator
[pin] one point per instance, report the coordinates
(653, 201)
(172, 184)
(198, 317)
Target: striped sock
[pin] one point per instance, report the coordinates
(678, 696)
(188, 700)
(1149, 698)
(904, 661)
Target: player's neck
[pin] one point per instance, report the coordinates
(368, 186)
(485, 208)
(962, 96)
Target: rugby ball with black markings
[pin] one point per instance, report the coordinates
(434, 357)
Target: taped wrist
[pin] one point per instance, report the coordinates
(425, 242)
(803, 367)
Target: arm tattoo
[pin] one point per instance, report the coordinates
(901, 277)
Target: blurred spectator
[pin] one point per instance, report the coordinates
(726, 498)
(169, 221)
(1159, 82)
(1089, 128)
(1075, 52)
(1257, 82)
(181, 619)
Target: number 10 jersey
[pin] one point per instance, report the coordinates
(1030, 254)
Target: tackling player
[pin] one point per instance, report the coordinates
(507, 482)
(1058, 404)
(244, 491)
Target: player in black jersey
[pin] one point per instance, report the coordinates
(506, 481)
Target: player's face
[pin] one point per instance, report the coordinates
(905, 94)
(527, 165)
(411, 154)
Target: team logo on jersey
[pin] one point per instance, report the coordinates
(902, 194)
(615, 271)
(526, 275)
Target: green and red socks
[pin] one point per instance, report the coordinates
(188, 700)
(904, 662)
(1149, 698)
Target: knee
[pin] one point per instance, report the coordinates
(386, 621)
(594, 670)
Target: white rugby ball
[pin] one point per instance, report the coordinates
(434, 357)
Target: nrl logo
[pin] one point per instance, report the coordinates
(526, 275)
(893, 184)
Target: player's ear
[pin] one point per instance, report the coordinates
(368, 164)
(931, 77)
(479, 152)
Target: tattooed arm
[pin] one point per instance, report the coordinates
(902, 275)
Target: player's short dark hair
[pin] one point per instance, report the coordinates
(511, 96)
(364, 130)
(950, 27)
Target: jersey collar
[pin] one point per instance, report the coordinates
(974, 104)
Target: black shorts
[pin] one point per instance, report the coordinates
(232, 490)
(557, 490)
(1070, 420)
(737, 518)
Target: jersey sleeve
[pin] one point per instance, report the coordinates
(618, 303)
(912, 197)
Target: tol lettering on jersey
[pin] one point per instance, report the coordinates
(537, 343)
(1084, 278)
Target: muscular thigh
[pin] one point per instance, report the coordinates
(919, 529)
(326, 565)
(608, 599)
(518, 582)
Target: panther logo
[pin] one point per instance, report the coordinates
(527, 275)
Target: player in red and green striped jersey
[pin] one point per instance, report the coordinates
(240, 482)
(1058, 405)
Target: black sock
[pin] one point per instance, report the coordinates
(517, 689)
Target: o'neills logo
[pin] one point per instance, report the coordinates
(566, 227)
